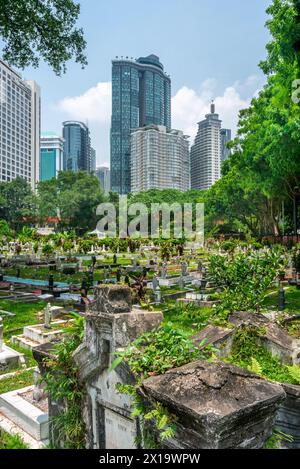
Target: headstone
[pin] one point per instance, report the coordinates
(184, 267)
(163, 271)
(217, 405)
(47, 316)
(1, 334)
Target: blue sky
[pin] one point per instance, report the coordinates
(211, 48)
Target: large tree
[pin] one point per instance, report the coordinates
(34, 29)
(263, 172)
(73, 197)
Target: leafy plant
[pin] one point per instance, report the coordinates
(152, 354)
(64, 386)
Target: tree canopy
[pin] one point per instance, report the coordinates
(34, 29)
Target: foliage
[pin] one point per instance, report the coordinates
(64, 386)
(296, 258)
(264, 169)
(5, 231)
(20, 379)
(17, 202)
(74, 196)
(8, 441)
(151, 354)
(32, 29)
(277, 438)
(245, 278)
(248, 353)
(47, 250)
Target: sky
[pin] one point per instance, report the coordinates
(210, 48)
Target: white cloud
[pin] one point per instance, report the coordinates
(189, 106)
(93, 105)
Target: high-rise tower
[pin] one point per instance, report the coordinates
(206, 152)
(141, 95)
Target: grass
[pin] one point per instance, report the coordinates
(8, 441)
(246, 347)
(26, 314)
(292, 299)
(19, 380)
(188, 319)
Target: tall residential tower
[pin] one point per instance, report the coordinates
(141, 95)
(206, 152)
(159, 159)
(20, 106)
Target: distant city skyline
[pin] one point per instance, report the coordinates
(221, 70)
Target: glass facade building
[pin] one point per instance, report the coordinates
(103, 174)
(225, 138)
(141, 95)
(51, 156)
(77, 146)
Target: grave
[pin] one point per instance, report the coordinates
(273, 337)
(20, 408)
(41, 333)
(217, 405)
(9, 358)
(112, 323)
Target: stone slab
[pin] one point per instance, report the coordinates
(27, 416)
(217, 405)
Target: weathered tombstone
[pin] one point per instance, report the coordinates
(155, 282)
(216, 405)
(51, 282)
(1, 334)
(157, 295)
(47, 316)
(163, 271)
(111, 325)
(118, 274)
(184, 267)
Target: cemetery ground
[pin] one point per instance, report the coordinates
(238, 308)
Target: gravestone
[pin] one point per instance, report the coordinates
(217, 405)
(111, 325)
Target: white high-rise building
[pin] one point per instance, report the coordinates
(206, 152)
(159, 159)
(20, 108)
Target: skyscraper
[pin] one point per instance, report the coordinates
(77, 146)
(141, 95)
(159, 159)
(206, 152)
(103, 174)
(225, 138)
(20, 106)
(51, 159)
(92, 161)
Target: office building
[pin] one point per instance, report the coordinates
(225, 138)
(141, 95)
(103, 174)
(206, 152)
(77, 146)
(92, 161)
(159, 159)
(20, 108)
(51, 158)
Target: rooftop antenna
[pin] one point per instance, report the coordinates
(212, 107)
